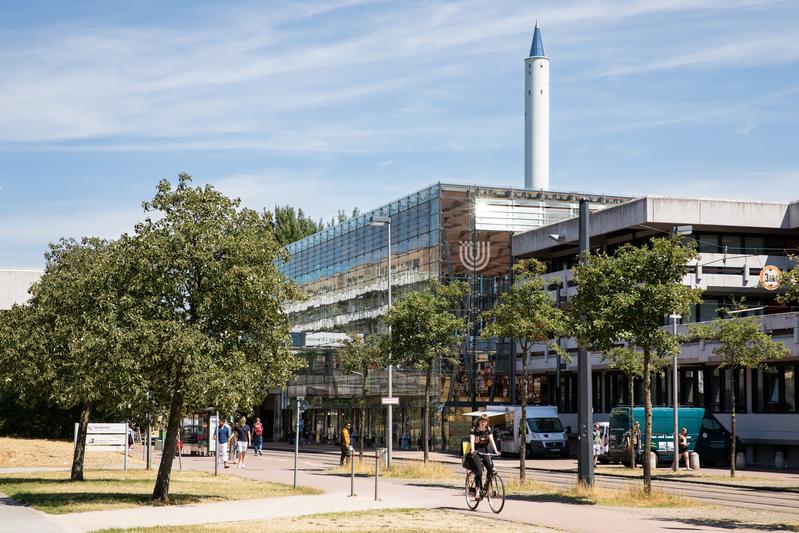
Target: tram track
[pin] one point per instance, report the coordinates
(733, 496)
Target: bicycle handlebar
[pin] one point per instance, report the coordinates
(488, 454)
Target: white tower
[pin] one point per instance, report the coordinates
(536, 116)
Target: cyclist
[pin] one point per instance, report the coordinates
(480, 438)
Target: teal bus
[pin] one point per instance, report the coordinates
(706, 436)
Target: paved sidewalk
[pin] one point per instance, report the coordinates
(15, 517)
(277, 466)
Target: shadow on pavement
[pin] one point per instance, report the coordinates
(731, 523)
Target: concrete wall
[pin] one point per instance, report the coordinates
(14, 285)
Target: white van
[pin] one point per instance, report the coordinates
(545, 435)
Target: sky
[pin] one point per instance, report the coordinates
(336, 104)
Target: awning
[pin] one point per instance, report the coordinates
(489, 413)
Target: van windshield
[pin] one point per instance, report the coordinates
(545, 425)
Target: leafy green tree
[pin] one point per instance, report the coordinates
(292, 225)
(789, 280)
(527, 314)
(627, 297)
(629, 363)
(72, 340)
(424, 329)
(741, 344)
(203, 274)
(362, 355)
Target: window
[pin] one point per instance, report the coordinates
(721, 383)
(774, 389)
(692, 387)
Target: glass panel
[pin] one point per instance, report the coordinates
(754, 245)
(708, 242)
(790, 389)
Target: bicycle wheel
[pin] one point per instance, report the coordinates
(471, 491)
(496, 494)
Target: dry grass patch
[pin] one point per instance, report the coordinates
(431, 471)
(388, 521)
(742, 478)
(16, 452)
(52, 492)
(621, 497)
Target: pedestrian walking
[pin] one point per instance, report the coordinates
(597, 439)
(346, 444)
(223, 435)
(682, 443)
(258, 436)
(243, 439)
(636, 439)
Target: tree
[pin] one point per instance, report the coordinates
(425, 329)
(741, 344)
(627, 297)
(291, 225)
(527, 314)
(72, 340)
(203, 274)
(362, 355)
(789, 280)
(629, 362)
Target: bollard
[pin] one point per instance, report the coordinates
(695, 463)
(378, 453)
(352, 476)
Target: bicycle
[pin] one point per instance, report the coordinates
(495, 493)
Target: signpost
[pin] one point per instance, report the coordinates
(301, 407)
(102, 437)
(385, 400)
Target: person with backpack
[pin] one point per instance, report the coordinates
(258, 436)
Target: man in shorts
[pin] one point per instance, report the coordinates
(243, 438)
(223, 434)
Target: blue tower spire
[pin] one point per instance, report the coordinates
(537, 49)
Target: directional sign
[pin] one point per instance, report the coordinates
(393, 400)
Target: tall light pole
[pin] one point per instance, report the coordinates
(386, 221)
(674, 397)
(683, 231)
(585, 463)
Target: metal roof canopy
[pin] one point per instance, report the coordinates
(489, 413)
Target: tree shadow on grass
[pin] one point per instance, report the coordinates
(66, 502)
(731, 523)
(66, 480)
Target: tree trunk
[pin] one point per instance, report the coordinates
(427, 411)
(647, 447)
(80, 444)
(523, 422)
(161, 490)
(631, 384)
(732, 427)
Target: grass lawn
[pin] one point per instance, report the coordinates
(388, 521)
(431, 471)
(52, 492)
(16, 452)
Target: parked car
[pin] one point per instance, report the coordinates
(604, 431)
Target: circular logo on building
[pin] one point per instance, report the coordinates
(770, 277)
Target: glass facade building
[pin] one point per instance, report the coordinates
(443, 232)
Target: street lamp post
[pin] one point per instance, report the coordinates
(386, 221)
(585, 464)
(674, 398)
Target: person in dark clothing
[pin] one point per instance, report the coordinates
(481, 438)
(243, 439)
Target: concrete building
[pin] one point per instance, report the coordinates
(736, 241)
(15, 283)
(443, 232)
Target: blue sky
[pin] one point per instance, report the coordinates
(334, 104)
